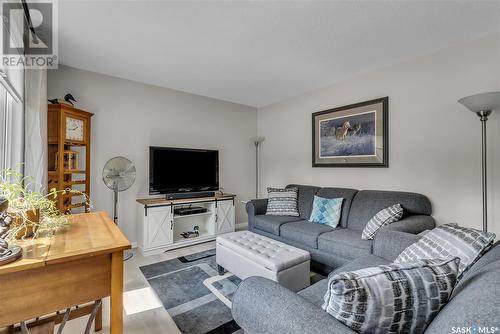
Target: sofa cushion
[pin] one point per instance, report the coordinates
(345, 193)
(315, 293)
(491, 256)
(367, 203)
(361, 263)
(304, 232)
(395, 298)
(389, 244)
(271, 224)
(345, 242)
(306, 197)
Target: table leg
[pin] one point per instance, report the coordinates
(98, 320)
(116, 318)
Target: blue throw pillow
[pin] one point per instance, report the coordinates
(326, 211)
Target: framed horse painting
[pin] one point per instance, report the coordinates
(356, 135)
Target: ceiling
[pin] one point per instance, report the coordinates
(260, 52)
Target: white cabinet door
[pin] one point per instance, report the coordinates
(159, 227)
(224, 219)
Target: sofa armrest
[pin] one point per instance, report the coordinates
(263, 306)
(255, 207)
(389, 244)
(412, 224)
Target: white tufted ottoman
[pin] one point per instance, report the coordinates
(248, 254)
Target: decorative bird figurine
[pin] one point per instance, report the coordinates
(69, 98)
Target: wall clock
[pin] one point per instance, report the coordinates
(74, 129)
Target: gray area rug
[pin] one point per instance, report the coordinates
(184, 287)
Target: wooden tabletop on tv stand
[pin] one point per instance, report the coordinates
(164, 201)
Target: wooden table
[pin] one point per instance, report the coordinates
(80, 263)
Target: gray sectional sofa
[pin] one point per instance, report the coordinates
(263, 306)
(335, 247)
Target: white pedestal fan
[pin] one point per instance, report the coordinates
(118, 175)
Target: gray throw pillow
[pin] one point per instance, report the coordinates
(384, 217)
(395, 298)
(282, 202)
(448, 241)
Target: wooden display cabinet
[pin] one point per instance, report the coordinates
(69, 131)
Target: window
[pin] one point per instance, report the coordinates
(11, 131)
(5, 128)
(11, 107)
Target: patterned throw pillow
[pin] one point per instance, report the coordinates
(450, 240)
(282, 202)
(326, 211)
(384, 217)
(396, 298)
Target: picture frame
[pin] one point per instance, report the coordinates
(355, 135)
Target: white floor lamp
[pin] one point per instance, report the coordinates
(483, 104)
(257, 141)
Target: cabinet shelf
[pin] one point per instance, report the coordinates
(180, 238)
(72, 195)
(70, 183)
(76, 205)
(68, 143)
(194, 215)
(67, 184)
(74, 171)
(74, 143)
(68, 171)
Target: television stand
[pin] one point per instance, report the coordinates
(190, 195)
(160, 229)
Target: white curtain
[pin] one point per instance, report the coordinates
(35, 128)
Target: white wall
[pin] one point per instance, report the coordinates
(130, 116)
(434, 141)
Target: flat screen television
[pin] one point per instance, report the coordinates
(181, 170)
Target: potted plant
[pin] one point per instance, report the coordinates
(31, 211)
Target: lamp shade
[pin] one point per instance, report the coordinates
(481, 102)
